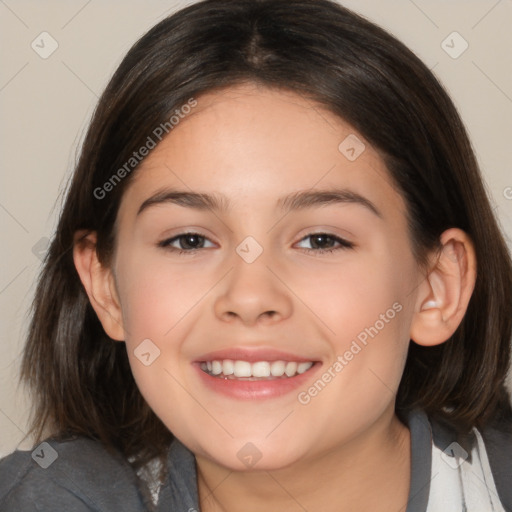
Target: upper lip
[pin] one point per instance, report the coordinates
(252, 355)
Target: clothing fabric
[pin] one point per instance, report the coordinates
(449, 473)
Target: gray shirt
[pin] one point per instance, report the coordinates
(82, 476)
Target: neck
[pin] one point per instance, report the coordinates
(371, 472)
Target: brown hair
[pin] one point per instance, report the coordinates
(81, 380)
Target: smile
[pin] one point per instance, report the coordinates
(239, 369)
(255, 373)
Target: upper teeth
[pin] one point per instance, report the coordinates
(259, 369)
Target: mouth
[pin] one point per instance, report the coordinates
(254, 371)
(247, 374)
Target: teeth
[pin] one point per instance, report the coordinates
(303, 367)
(277, 368)
(216, 367)
(242, 369)
(260, 369)
(228, 367)
(290, 369)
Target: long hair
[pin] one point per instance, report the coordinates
(81, 380)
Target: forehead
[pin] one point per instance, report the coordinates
(252, 143)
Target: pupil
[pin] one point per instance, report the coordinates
(317, 239)
(192, 240)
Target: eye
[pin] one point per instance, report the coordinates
(187, 242)
(191, 242)
(323, 243)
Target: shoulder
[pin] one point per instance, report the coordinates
(498, 444)
(75, 475)
(494, 446)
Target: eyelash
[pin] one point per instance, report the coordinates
(343, 244)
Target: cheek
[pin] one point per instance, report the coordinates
(156, 301)
(364, 308)
(156, 296)
(158, 307)
(367, 323)
(359, 295)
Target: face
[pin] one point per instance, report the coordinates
(300, 262)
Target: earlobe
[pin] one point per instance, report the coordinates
(444, 295)
(99, 284)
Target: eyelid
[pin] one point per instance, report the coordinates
(167, 240)
(343, 243)
(170, 234)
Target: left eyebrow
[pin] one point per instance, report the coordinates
(309, 198)
(296, 201)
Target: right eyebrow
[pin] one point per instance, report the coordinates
(196, 200)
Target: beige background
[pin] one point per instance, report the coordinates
(46, 104)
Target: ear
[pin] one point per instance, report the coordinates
(444, 295)
(99, 284)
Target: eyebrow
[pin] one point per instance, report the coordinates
(296, 201)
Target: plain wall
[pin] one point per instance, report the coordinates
(45, 105)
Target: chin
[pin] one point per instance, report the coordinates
(246, 456)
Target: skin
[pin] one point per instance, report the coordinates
(345, 449)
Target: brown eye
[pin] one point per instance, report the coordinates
(187, 242)
(325, 242)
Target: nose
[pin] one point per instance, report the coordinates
(253, 293)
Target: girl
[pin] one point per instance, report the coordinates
(276, 282)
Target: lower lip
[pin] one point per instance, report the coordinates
(255, 389)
